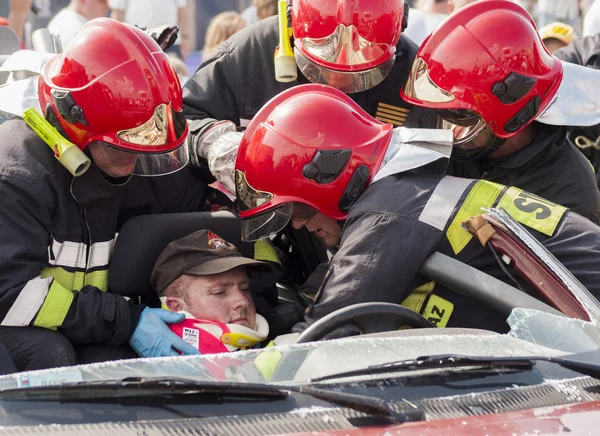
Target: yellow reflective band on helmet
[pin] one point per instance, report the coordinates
(79, 279)
(533, 211)
(438, 311)
(483, 194)
(266, 362)
(265, 252)
(55, 307)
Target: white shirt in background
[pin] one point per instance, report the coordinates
(421, 24)
(591, 21)
(250, 15)
(149, 13)
(66, 24)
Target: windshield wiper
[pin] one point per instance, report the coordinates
(457, 361)
(137, 387)
(155, 392)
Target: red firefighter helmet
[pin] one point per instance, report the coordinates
(347, 44)
(114, 84)
(485, 66)
(310, 144)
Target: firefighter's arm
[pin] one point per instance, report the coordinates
(29, 296)
(378, 261)
(573, 52)
(209, 94)
(211, 107)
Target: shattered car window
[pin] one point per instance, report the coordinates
(293, 363)
(565, 334)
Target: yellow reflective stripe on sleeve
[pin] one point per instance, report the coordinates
(265, 252)
(77, 280)
(483, 194)
(266, 362)
(99, 279)
(533, 211)
(55, 307)
(415, 299)
(438, 311)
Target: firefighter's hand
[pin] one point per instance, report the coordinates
(165, 36)
(153, 338)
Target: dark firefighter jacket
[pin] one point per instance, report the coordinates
(57, 233)
(402, 219)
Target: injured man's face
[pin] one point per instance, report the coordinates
(223, 297)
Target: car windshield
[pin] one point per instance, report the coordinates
(533, 334)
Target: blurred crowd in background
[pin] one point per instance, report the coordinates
(204, 24)
(574, 17)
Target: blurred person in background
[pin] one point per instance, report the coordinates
(220, 28)
(156, 13)
(259, 10)
(591, 20)
(585, 51)
(566, 11)
(454, 5)
(69, 21)
(585, 6)
(528, 5)
(18, 15)
(424, 18)
(556, 35)
(180, 68)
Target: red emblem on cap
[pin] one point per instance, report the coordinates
(215, 242)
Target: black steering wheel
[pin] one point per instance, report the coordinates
(368, 317)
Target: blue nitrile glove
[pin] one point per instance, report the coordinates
(153, 338)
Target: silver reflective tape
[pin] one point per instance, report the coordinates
(100, 253)
(445, 197)
(70, 254)
(73, 254)
(28, 303)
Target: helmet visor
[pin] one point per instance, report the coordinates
(161, 164)
(420, 86)
(117, 162)
(346, 81)
(164, 126)
(346, 49)
(465, 124)
(266, 224)
(248, 198)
